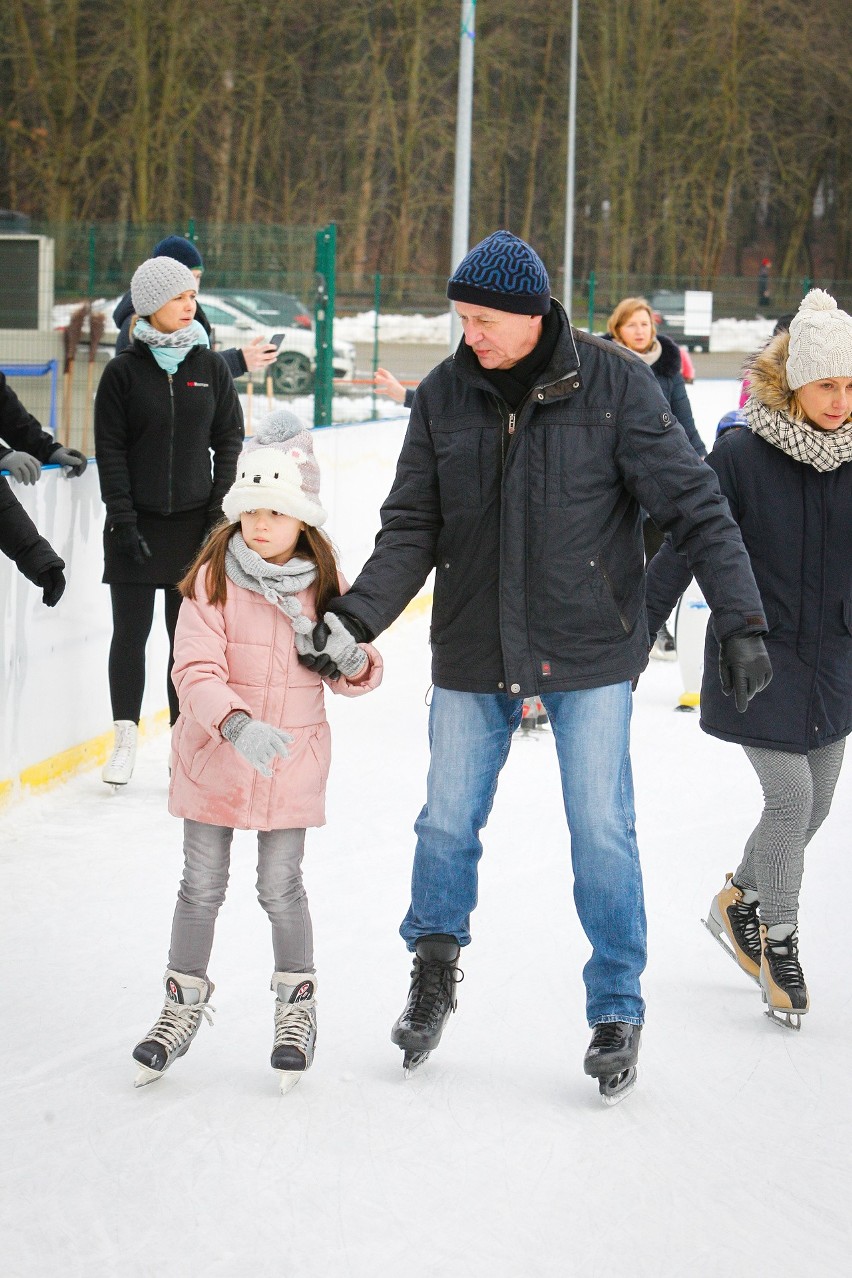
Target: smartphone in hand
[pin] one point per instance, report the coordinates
(275, 340)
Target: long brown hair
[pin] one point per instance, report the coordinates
(313, 545)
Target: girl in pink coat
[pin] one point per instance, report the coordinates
(251, 748)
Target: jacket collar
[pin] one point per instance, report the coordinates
(561, 377)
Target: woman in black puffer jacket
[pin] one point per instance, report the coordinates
(632, 326)
(168, 431)
(788, 482)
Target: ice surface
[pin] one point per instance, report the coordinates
(497, 1159)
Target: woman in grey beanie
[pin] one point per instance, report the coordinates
(168, 431)
(788, 482)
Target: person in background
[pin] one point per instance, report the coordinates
(168, 431)
(788, 484)
(386, 384)
(527, 459)
(252, 747)
(764, 297)
(31, 553)
(632, 325)
(255, 355)
(25, 447)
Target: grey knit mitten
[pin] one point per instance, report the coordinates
(21, 466)
(256, 741)
(340, 646)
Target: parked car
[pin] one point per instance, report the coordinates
(293, 370)
(279, 310)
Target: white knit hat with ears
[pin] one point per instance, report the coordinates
(820, 341)
(277, 471)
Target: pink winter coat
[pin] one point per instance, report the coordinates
(242, 656)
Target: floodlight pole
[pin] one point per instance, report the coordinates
(461, 193)
(569, 184)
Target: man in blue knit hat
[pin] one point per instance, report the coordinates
(529, 457)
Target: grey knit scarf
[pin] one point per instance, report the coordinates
(278, 583)
(192, 335)
(822, 449)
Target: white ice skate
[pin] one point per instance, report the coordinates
(178, 1023)
(118, 769)
(295, 1026)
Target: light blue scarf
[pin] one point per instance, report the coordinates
(169, 349)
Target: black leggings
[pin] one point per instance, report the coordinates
(132, 615)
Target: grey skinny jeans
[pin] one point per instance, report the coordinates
(797, 794)
(207, 858)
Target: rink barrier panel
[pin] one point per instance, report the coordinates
(55, 714)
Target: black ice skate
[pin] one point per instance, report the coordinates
(431, 998)
(611, 1059)
(782, 980)
(295, 1026)
(176, 1027)
(734, 923)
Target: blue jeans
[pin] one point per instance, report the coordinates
(470, 734)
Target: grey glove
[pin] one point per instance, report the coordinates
(258, 742)
(70, 457)
(21, 466)
(339, 646)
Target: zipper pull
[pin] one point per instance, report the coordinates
(511, 424)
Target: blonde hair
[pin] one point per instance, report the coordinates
(313, 544)
(625, 308)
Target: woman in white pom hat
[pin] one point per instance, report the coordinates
(252, 747)
(168, 431)
(788, 481)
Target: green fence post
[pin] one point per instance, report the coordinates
(592, 302)
(325, 266)
(190, 229)
(377, 303)
(807, 285)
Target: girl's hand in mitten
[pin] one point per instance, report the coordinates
(256, 741)
(332, 639)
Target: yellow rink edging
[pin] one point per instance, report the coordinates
(89, 754)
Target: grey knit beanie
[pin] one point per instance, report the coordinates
(157, 281)
(820, 341)
(277, 470)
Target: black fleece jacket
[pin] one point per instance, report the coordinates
(155, 434)
(19, 430)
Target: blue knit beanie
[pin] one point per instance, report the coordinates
(502, 272)
(181, 250)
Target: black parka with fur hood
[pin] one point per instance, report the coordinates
(796, 523)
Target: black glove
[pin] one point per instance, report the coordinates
(21, 466)
(52, 585)
(74, 462)
(129, 541)
(320, 661)
(744, 668)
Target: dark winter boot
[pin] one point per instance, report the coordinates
(781, 978)
(177, 1025)
(734, 923)
(431, 996)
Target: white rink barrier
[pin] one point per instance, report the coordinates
(55, 716)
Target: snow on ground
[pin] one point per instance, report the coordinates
(497, 1160)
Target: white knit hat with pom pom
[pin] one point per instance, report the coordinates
(277, 471)
(820, 341)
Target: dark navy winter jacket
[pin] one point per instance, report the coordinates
(796, 523)
(155, 433)
(668, 372)
(21, 540)
(532, 522)
(19, 430)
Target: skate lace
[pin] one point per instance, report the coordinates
(607, 1035)
(747, 925)
(430, 984)
(294, 1025)
(177, 1021)
(786, 968)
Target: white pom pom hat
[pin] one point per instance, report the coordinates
(820, 341)
(277, 470)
